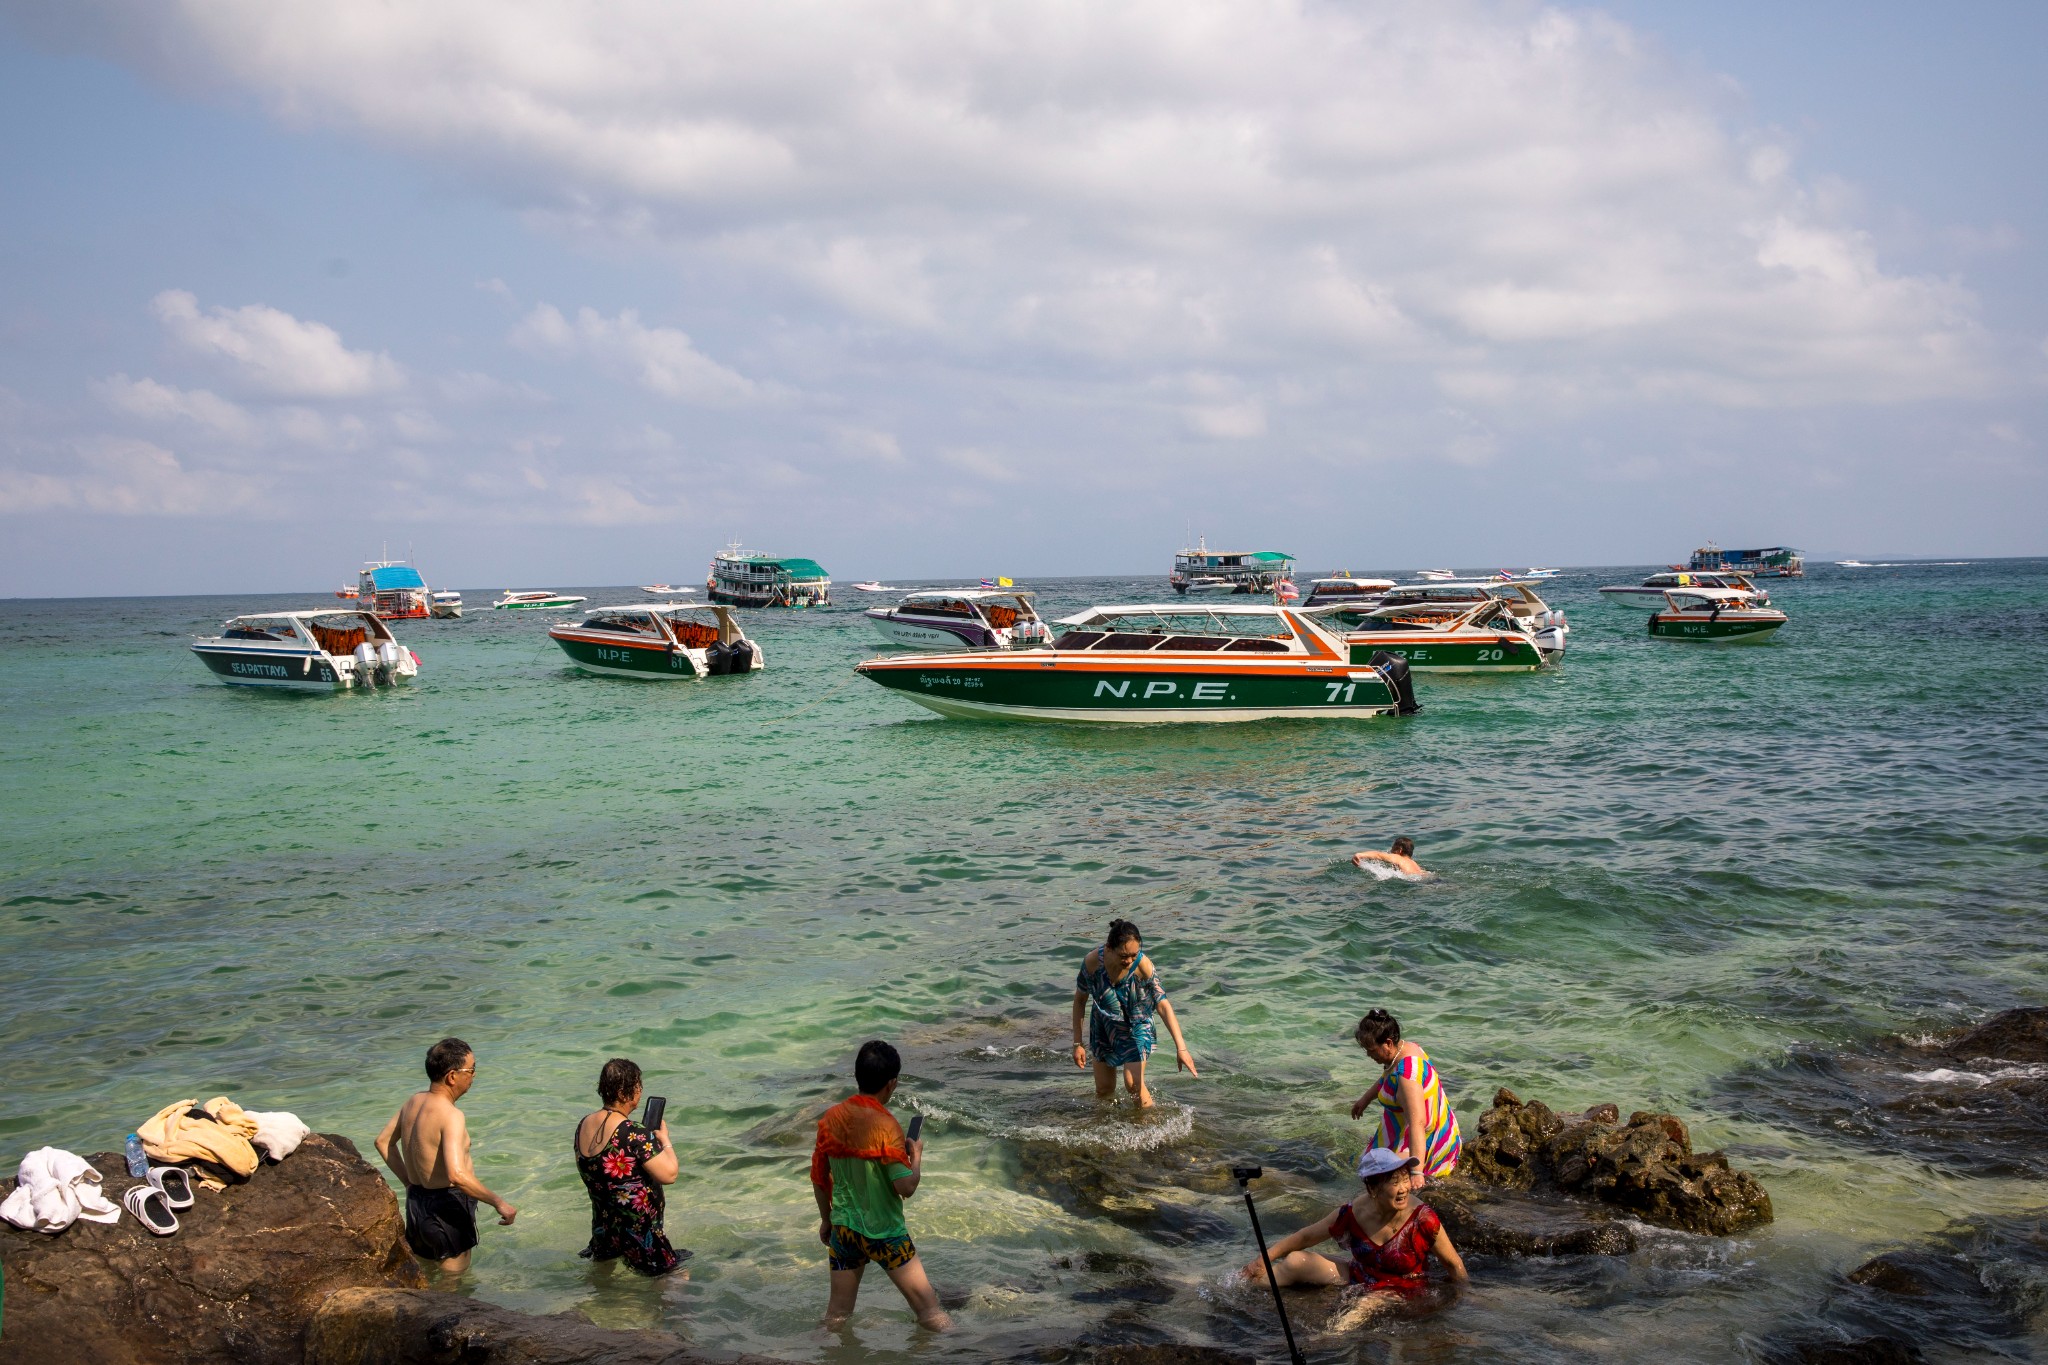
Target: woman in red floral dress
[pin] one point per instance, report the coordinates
(624, 1166)
(1389, 1234)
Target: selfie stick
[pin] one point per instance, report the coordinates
(1245, 1176)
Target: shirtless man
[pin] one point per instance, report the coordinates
(426, 1145)
(1401, 858)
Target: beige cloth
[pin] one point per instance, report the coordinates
(223, 1138)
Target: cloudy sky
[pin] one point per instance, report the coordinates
(552, 293)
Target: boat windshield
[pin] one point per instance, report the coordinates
(1190, 629)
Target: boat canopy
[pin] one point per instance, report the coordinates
(965, 594)
(392, 577)
(797, 570)
(1175, 618)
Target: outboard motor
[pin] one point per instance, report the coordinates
(739, 657)
(1394, 669)
(365, 655)
(388, 659)
(717, 659)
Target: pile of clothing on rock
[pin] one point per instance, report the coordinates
(188, 1146)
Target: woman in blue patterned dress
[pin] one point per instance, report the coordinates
(1122, 985)
(624, 1166)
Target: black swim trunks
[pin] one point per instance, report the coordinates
(439, 1224)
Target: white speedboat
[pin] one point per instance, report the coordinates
(660, 640)
(1532, 573)
(1342, 589)
(1649, 594)
(874, 587)
(1456, 627)
(1435, 575)
(315, 651)
(1714, 616)
(535, 601)
(939, 619)
(664, 590)
(447, 605)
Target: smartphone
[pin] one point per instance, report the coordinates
(651, 1112)
(916, 1127)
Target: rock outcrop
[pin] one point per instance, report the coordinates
(2019, 1035)
(1489, 1221)
(412, 1327)
(1646, 1165)
(239, 1281)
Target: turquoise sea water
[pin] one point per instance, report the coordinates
(1663, 869)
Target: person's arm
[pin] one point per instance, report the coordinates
(1418, 1141)
(393, 1151)
(1294, 1241)
(1448, 1254)
(906, 1185)
(1182, 1058)
(1080, 1009)
(1371, 856)
(823, 1194)
(664, 1167)
(455, 1160)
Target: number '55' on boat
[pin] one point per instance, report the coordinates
(1158, 664)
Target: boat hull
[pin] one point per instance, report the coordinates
(1703, 630)
(933, 636)
(1477, 652)
(1642, 599)
(1130, 690)
(282, 670)
(623, 658)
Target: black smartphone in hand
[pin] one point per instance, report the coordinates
(651, 1112)
(916, 1127)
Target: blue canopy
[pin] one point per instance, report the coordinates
(393, 576)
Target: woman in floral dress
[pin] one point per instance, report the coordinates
(1116, 993)
(624, 1166)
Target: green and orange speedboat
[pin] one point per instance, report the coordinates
(1714, 616)
(1177, 663)
(1479, 627)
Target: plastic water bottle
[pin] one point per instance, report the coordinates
(138, 1160)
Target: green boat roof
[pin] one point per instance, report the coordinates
(1271, 554)
(799, 569)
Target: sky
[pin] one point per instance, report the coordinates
(541, 293)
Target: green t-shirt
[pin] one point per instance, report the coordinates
(864, 1200)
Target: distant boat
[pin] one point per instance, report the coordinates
(873, 587)
(535, 601)
(1775, 561)
(1242, 572)
(308, 651)
(1714, 616)
(1853, 564)
(394, 590)
(447, 605)
(767, 580)
(665, 590)
(1435, 575)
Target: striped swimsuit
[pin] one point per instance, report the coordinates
(1439, 1124)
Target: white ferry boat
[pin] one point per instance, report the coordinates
(1243, 572)
(742, 580)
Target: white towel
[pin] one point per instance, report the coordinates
(53, 1188)
(278, 1133)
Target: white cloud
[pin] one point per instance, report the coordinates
(121, 476)
(1253, 184)
(660, 359)
(275, 352)
(981, 464)
(154, 401)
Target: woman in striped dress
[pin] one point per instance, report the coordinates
(1415, 1117)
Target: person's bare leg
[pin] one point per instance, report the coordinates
(845, 1289)
(919, 1294)
(1354, 1313)
(454, 1265)
(1134, 1081)
(1304, 1267)
(1105, 1080)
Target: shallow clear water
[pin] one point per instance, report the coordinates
(1661, 867)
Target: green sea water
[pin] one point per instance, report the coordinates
(1663, 872)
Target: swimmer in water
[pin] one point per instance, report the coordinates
(1401, 858)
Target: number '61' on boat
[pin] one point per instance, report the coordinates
(1158, 664)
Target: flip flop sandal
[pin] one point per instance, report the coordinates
(151, 1210)
(175, 1184)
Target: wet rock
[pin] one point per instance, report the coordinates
(239, 1281)
(413, 1327)
(2011, 1036)
(1892, 1274)
(1976, 1099)
(1177, 1193)
(1646, 1165)
(1862, 1351)
(1497, 1222)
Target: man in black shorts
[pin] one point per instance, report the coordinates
(426, 1145)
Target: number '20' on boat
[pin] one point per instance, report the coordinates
(312, 651)
(660, 640)
(1176, 663)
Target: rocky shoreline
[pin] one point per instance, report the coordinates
(305, 1263)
